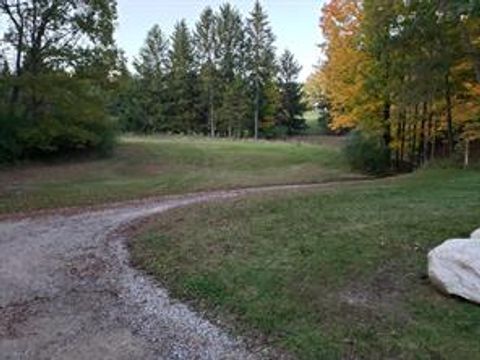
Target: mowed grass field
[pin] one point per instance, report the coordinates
(151, 166)
(337, 273)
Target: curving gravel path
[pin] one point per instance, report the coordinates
(67, 291)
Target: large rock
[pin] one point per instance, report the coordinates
(454, 268)
(476, 234)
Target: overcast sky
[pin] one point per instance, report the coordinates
(294, 22)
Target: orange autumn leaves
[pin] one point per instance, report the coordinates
(347, 68)
(341, 76)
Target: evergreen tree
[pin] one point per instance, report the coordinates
(261, 58)
(231, 43)
(150, 87)
(153, 58)
(234, 102)
(270, 109)
(234, 108)
(206, 47)
(182, 82)
(292, 106)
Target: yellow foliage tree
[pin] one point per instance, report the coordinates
(341, 75)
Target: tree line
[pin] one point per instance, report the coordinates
(65, 86)
(403, 73)
(221, 79)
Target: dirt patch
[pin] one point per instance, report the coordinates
(16, 314)
(87, 266)
(381, 294)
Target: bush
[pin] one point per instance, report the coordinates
(70, 119)
(10, 146)
(275, 132)
(367, 153)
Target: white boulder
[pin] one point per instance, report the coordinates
(476, 234)
(454, 268)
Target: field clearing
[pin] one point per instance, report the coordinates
(152, 166)
(326, 274)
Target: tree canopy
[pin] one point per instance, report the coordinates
(407, 71)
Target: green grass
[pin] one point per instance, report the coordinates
(314, 127)
(327, 274)
(147, 166)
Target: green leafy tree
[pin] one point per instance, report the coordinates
(50, 43)
(46, 34)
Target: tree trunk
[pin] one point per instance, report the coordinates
(413, 150)
(434, 139)
(387, 137)
(211, 114)
(397, 148)
(18, 70)
(257, 108)
(428, 151)
(467, 153)
(428, 140)
(402, 136)
(386, 123)
(448, 100)
(421, 145)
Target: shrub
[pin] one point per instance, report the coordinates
(71, 118)
(367, 153)
(10, 146)
(275, 132)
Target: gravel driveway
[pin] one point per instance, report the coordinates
(67, 291)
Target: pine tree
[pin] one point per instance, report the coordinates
(206, 47)
(270, 110)
(234, 108)
(153, 58)
(231, 43)
(182, 82)
(150, 90)
(233, 99)
(292, 106)
(261, 57)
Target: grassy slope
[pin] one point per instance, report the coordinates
(156, 166)
(328, 274)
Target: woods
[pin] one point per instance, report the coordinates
(405, 72)
(222, 78)
(66, 87)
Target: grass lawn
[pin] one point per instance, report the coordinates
(326, 274)
(146, 166)
(314, 127)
